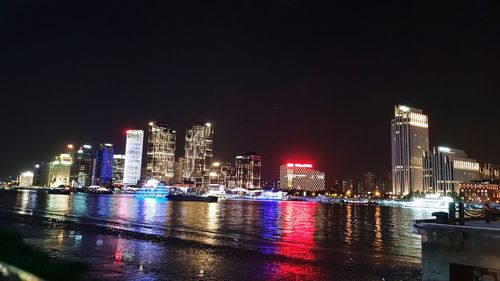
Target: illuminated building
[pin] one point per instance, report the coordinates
(59, 170)
(341, 186)
(179, 170)
(81, 169)
(198, 154)
(248, 171)
(480, 191)
(26, 178)
(490, 172)
(409, 141)
(161, 152)
(103, 165)
(368, 184)
(118, 167)
(445, 168)
(220, 173)
(297, 176)
(133, 157)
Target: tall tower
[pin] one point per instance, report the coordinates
(133, 157)
(161, 152)
(409, 139)
(198, 153)
(248, 170)
(81, 169)
(103, 165)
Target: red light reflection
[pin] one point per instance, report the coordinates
(298, 224)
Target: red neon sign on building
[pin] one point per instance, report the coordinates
(298, 165)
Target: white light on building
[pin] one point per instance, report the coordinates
(133, 157)
(409, 141)
(26, 179)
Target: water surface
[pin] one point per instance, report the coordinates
(128, 238)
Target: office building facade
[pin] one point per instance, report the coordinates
(133, 157)
(446, 168)
(103, 165)
(59, 170)
(301, 177)
(82, 167)
(198, 154)
(220, 173)
(118, 167)
(248, 171)
(161, 152)
(409, 141)
(26, 179)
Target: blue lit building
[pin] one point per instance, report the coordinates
(103, 165)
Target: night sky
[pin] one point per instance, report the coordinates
(291, 80)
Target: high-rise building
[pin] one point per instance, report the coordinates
(298, 176)
(133, 157)
(81, 169)
(409, 139)
(248, 171)
(198, 154)
(446, 168)
(161, 152)
(220, 173)
(26, 179)
(369, 183)
(59, 170)
(103, 165)
(179, 170)
(118, 167)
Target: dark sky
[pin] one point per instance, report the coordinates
(292, 80)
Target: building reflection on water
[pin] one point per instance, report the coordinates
(293, 236)
(298, 227)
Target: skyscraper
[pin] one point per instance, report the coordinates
(133, 157)
(59, 170)
(179, 170)
(103, 165)
(198, 154)
(220, 173)
(161, 152)
(118, 167)
(409, 139)
(248, 171)
(81, 169)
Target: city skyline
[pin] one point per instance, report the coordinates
(180, 153)
(287, 80)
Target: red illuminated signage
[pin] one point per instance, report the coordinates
(298, 165)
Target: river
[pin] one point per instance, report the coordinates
(124, 237)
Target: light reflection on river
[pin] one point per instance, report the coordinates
(311, 233)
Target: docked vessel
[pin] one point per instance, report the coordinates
(193, 197)
(430, 202)
(153, 188)
(60, 190)
(98, 190)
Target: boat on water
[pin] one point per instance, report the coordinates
(60, 190)
(153, 188)
(193, 197)
(95, 189)
(434, 202)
